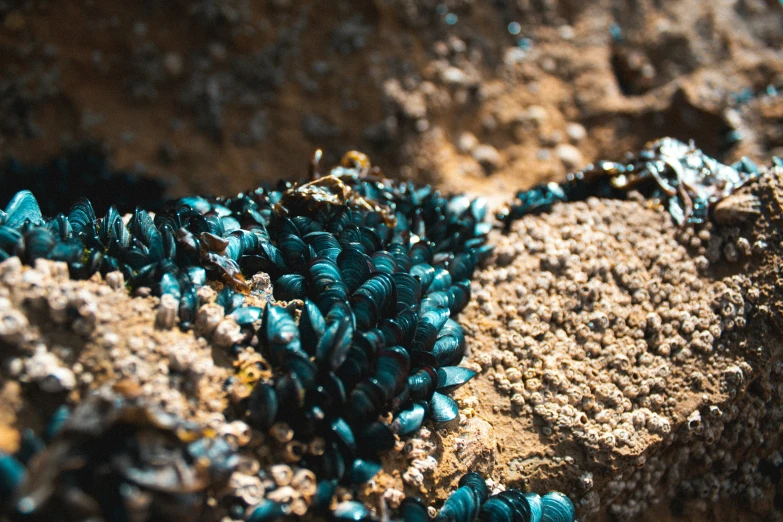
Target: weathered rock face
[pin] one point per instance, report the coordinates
(622, 366)
(63, 338)
(624, 361)
(241, 89)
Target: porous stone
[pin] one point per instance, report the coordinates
(74, 336)
(617, 368)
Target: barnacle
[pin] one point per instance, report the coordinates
(737, 208)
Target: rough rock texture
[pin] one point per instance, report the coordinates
(216, 95)
(62, 338)
(621, 366)
(629, 363)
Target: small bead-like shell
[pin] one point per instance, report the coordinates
(281, 474)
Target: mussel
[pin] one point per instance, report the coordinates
(115, 448)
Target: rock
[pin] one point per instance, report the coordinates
(537, 114)
(453, 76)
(467, 142)
(174, 64)
(569, 155)
(576, 132)
(59, 379)
(655, 406)
(315, 127)
(488, 157)
(551, 139)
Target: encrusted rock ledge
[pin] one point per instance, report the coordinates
(630, 363)
(624, 361)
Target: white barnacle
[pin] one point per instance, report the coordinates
(413, 477)
(227, 333)
(282, 474)
(207, 319)
(166, 316)
(13, 325)
(304, 482)
(237, 433)
(425, 464)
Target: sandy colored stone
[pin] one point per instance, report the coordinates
(228, 95)
(107, 338)
(621, 367)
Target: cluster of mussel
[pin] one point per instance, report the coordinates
(378, 267)
(471, 501)
(114, 458)
(668, 171)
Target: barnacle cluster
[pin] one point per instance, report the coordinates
(613, 335)
(726, 451)
(626, 311)
(65, 337)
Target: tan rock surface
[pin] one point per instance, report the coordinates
(216, 95)
(622, 367)
(626, 362)
(81, 335)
